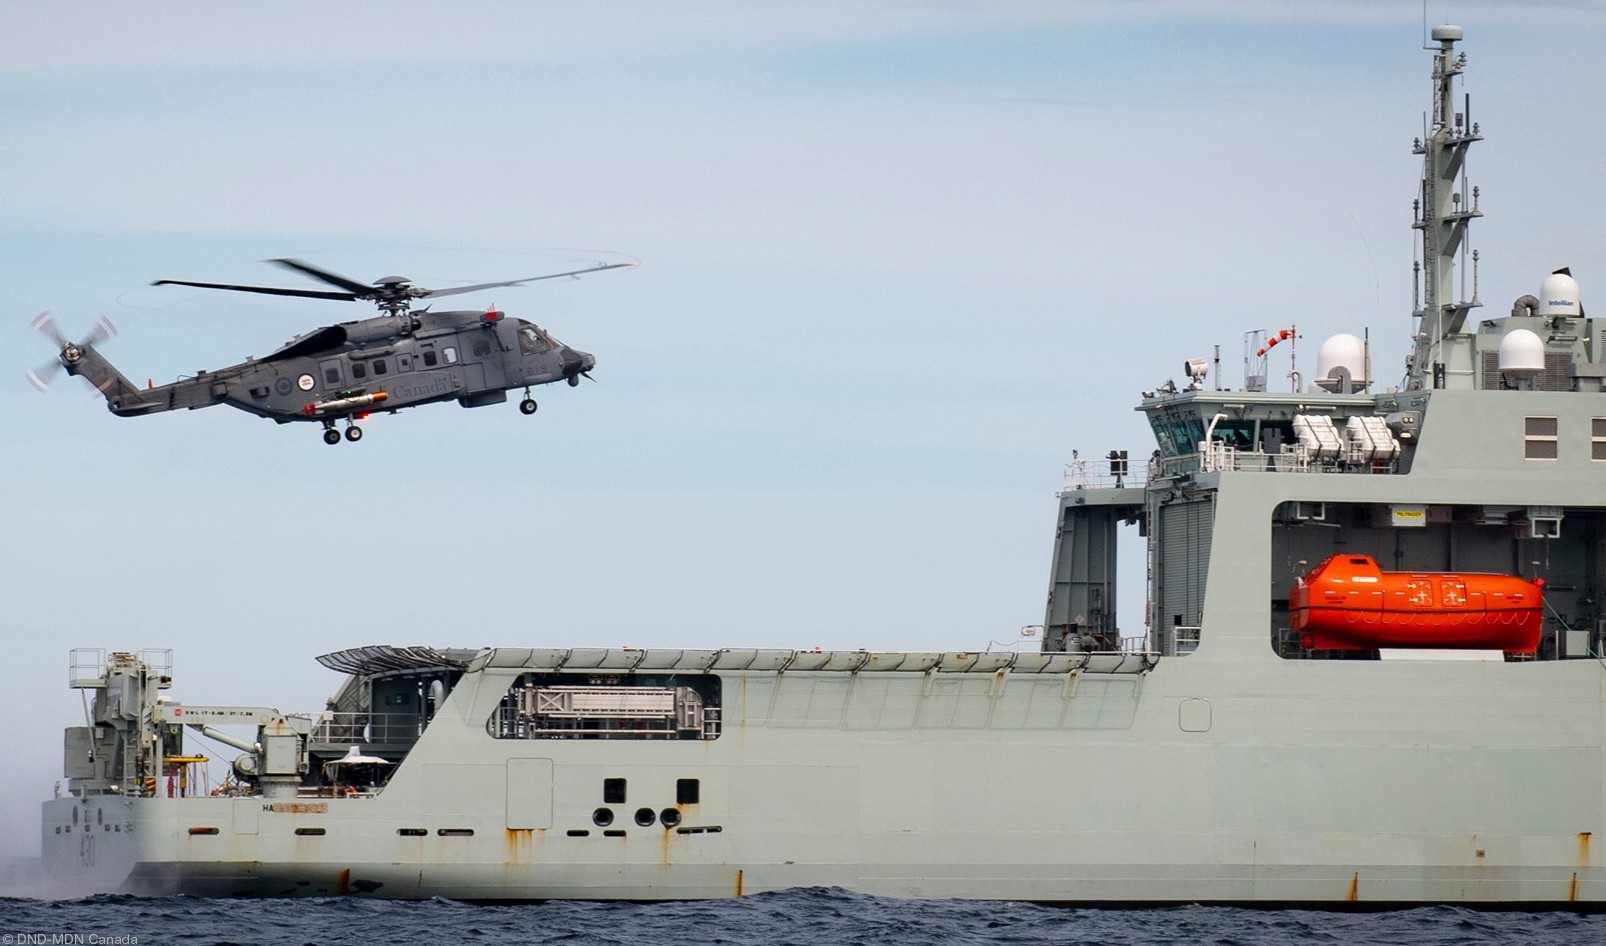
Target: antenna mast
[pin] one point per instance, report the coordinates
(1442, 215)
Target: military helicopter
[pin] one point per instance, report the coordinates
(345, 372)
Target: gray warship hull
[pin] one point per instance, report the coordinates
(1227, 775)
(1249, 748)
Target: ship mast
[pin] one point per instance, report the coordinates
(1442, 354)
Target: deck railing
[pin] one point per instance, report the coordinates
(359, 729)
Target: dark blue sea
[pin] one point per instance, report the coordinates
(801, 917)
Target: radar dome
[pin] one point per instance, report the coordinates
(1521, 352)
(1341, 363)
(1558, 295)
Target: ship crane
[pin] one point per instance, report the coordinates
(278, 758)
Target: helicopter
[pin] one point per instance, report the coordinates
(345, 372)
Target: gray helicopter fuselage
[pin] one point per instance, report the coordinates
(384, 363)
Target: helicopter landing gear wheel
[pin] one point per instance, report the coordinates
(574, 380)
(527, 406)
(331, 436)
(353, 433)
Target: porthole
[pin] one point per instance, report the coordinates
(670, 817)
(602, 817)
(645, 817)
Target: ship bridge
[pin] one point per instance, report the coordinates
(1207, 431)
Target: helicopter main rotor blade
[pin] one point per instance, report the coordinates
(457, 290)
(265, 290)
(357, 289)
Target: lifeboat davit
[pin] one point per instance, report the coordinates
(1348, 603)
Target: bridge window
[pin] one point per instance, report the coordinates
(1597, 438)
(613, 791)
(1178, 436)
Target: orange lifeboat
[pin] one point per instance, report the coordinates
(1348, 603)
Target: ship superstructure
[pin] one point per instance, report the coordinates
(1369, 674)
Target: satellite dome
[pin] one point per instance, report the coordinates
(1521, 352)
(1558, 295)
(1341, 362)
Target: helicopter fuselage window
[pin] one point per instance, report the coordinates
(379, 366)
(429, 358)
(359, 370)
(331, 375)
(481, 347)
(531, 342)
(450, 354)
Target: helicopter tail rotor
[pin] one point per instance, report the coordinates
(68, 353)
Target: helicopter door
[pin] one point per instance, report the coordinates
(333, 375)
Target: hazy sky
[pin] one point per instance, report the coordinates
(898, 261)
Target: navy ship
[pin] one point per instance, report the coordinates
(1370, 675)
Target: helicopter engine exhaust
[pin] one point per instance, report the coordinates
(345, 404)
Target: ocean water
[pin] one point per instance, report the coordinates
(803, 917)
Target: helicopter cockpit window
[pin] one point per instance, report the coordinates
(532, 342)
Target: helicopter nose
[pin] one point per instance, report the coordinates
(577, 363)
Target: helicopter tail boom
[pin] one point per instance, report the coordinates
(123, 398)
